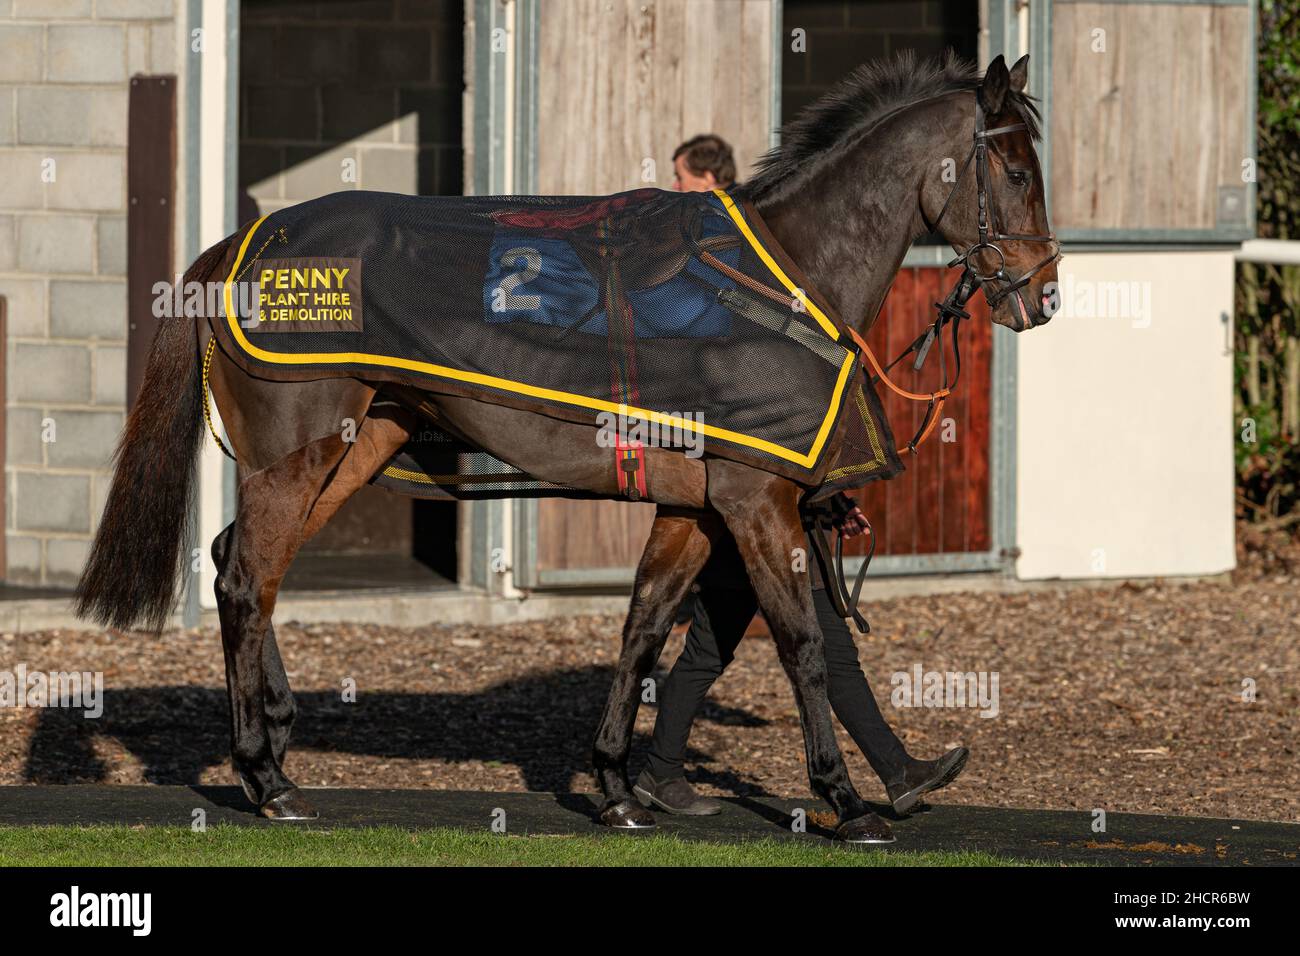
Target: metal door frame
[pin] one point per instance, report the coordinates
(500, 132)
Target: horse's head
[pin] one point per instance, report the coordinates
(994, 213)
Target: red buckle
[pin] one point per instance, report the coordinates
(630, 468)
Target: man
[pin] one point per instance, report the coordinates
(724, 607)
(703, 163)
(726, 604)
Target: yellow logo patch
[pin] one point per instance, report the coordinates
(308, 295)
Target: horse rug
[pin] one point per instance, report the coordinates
(672, 315)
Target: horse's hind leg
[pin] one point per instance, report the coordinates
(274, 504)
(678, 547)
(382, 434)
(281, 709)
(313, 484)
(762, 512)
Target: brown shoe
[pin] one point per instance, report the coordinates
(675, 796)
(926, 776)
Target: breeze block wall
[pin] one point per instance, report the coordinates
(841, 34)
(65, 67)
(351, 95)
(354, 94)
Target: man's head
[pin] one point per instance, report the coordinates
(702, 163)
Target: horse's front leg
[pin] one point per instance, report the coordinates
(677, 549)
(762, 512)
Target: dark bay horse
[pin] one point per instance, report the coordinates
(874, 164)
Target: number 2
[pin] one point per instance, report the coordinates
(509, 302)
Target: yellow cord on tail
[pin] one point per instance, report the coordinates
(207, 410)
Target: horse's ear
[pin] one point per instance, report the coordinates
(993, 91)
(1020, 74)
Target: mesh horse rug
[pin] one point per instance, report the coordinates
(673, 316)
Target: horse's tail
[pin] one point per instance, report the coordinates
(131, 573)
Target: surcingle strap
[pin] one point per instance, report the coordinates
(629, 462)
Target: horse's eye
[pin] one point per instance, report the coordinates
(1018, 177)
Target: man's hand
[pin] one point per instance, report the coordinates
(854, 523)
(847, 516)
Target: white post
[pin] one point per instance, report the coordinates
(219, 22)
(1282, 252)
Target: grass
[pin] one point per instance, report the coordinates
(226, 845)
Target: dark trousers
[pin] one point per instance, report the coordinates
(721, 615)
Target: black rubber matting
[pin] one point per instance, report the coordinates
(1057, 835)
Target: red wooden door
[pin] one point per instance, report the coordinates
(940, 504)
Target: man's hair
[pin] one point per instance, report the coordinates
(708, 153)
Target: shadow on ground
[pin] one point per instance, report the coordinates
(541, 723)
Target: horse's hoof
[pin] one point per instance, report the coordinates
(248, 788)
(865, 830)
(288, 806)
(627, 815)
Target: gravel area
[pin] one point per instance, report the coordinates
(1128, 698)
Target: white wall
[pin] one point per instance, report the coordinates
(1125, 441)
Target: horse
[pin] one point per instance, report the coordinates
(857, 177)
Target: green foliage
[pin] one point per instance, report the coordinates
(1268, 296)
(1278, 124)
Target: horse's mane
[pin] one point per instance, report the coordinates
(858, 102)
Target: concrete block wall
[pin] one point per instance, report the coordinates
(360, 95)
(372, 88)
(65, 67)
(841, 34)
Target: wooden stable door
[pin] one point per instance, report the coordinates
(940, 504)
(615, 98)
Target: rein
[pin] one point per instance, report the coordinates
(950, 312)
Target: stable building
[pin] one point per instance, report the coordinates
(134, 133)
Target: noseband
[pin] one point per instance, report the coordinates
(989, 236)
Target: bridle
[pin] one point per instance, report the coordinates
(989, 235)
(950, 312)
